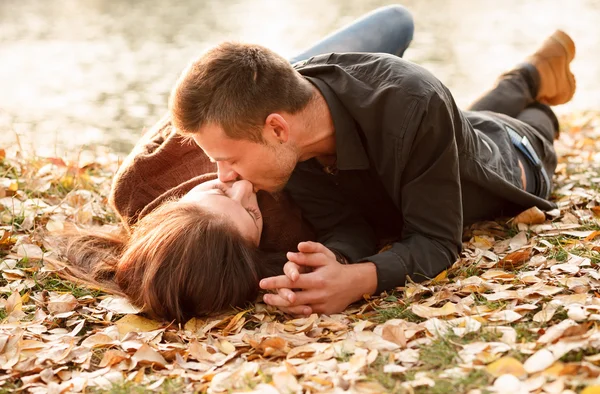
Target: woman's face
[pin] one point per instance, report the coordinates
(236, 200)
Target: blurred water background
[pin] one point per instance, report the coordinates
(79, 73)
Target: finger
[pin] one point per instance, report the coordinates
(287, 294)
(311, 280)
(276, 300)
(315, 247)
(302, 310)
(291, 270)
(277, 282)
(309, 297)
(310, 259)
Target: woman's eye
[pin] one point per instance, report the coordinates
(219, 187)
(254, 212)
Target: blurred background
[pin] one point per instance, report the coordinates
(79, 73)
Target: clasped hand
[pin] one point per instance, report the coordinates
(321, 284)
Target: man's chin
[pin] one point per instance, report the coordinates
(272, 188)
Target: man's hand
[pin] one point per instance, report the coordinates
(325, 285)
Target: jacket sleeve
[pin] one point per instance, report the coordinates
(421, 172)
(338, 223)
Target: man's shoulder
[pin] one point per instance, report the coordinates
(376, 69)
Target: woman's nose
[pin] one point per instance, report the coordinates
(241, 190)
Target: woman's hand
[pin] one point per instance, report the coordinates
(324, 285)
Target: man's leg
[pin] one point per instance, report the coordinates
(514, 91)
(544, 77)
(541, 135)
(388, 30)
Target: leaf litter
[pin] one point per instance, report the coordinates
(517, 313)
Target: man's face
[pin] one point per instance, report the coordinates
(268, 165)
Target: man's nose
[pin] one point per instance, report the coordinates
(240, 190)
(226, 173)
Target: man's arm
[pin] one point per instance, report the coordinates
(424, 183)
(339, 224)
(421, 174)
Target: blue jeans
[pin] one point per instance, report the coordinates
(388, 30)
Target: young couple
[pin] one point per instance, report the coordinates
(349, 147)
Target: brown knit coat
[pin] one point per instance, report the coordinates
(165, 165)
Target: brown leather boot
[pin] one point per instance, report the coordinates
(557, 82)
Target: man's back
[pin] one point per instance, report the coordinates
(399, 133)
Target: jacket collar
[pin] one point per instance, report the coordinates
(351, 154)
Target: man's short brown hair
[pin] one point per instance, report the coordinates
(236, 86)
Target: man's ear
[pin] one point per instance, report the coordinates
(276, 128)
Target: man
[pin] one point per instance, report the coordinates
(372, 147)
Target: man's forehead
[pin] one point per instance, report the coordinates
(221, 149)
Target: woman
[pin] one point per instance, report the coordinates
(191, 245)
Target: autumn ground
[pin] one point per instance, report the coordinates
(518, 313)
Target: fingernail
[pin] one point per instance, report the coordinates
(261, 283)
(289, 297)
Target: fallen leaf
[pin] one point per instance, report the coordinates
(539, 361)
(118, 305)
(30, 251)
(428, 312)
(135, 323)
(394, 334)
(507, 365)
(515, 260)
(62, 303)
(594, 389)
(112, 357)
(146, 355)
(273, 346)
(532, 215)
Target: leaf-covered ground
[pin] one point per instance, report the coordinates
(518, 313)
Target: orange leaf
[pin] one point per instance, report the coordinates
(592, 235)
(112, 357)
(531, 216)
(274, 346)
(506, 365)
(515, 259)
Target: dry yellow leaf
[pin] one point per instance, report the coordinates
(394, 334)
(146, 355)
(532, 215)
(235, 323)
(198, 351)
(97, 340)
(112, 357)
(62, 303)
(273, 346)
(194, 325)
(428, 312)
(14, 303)
(506, 365)
(226, 347)
(440, 277)
(135, 323)
(591, 390)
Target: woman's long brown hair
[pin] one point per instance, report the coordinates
(177, 262)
